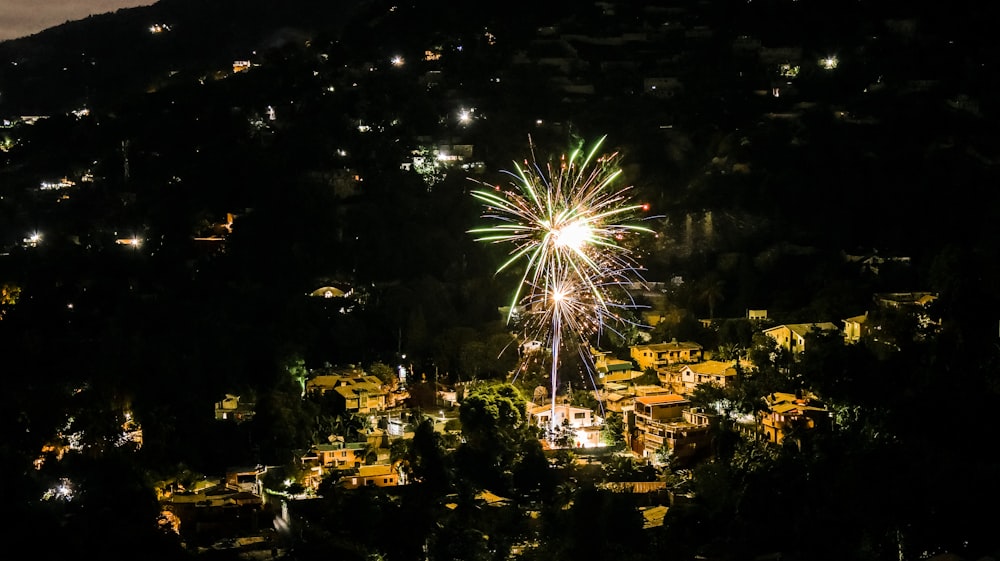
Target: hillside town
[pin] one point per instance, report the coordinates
(246, 314)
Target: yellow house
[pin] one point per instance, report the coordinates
(381, 475)
(657, 355)
(360, 392)
(718, 372)
(792, 336)
(340, 454)
(321, 459)
(660, 407)
(854, 328)
(788, 411)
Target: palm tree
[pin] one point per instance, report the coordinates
(711, 292)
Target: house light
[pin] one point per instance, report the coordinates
(829, 63)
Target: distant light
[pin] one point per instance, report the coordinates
(397, 61)
(133, 241)
(829, 63)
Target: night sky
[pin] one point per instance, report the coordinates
(20, 18)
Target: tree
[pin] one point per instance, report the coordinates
(532, 474)
(493, 415)
(295, 366)
(426, 457)
(613, 430)
(711, 292)
(384, 373)
(494, 426)
(649, 378)
(564, 434)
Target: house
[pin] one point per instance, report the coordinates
(647, 390)
(585, 425)
(612, 398)
(659, 421)
(357, 391)
(915, 304)
(681, 438)
(718, 372)
(371, 476)
(608, 365)
(321, 459)
(340, 454)
(621, 377)
(792, 336)
(328, 292)
(217, 512)
(872, 262)
(660, 407)
(855, 328)
(576, 416)
(887, 304)
(670, 377)
(656, 355)
(246, 479)
(905, 300)
(232, 409)
(791, 411)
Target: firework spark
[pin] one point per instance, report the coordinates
(569, 224)
(570, 216)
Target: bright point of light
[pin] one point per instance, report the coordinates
(573, 235)
(133, 241)
(397, 60)
(829, 63)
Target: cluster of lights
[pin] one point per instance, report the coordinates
(63, 491)
(56, 185)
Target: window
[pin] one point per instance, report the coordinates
(579, 415)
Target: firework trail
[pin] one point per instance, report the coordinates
(568, 222)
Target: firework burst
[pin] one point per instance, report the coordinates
(569, 223)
